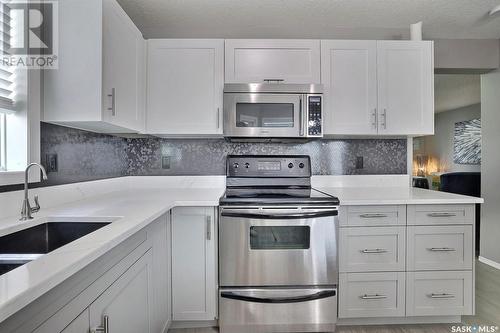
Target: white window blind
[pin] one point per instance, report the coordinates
(7, 73)
(3, 142)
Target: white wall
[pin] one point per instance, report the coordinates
(490, 168)
(440, 145)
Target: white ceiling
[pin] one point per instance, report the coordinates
(456, 91)
(364, 19)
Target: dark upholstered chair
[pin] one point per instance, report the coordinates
(466, 183)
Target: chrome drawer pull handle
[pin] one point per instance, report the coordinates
(374, 251)
(441, 214)
(104, 328)
(113, 102)
(441, 295)
(441, 249)
(372, 216)
(376, 296)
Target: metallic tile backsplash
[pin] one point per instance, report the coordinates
(207, 157)
(83, 156)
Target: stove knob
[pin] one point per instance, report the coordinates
(301, 165)
(236, 165)
(290, 165)
(247, 165)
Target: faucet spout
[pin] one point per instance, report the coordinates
(27, 210)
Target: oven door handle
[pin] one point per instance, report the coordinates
(277, 300)
(287, 216)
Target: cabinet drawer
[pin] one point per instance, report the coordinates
(440, 248)
(439, 293)
(440, 214)
(372, 215)
(372, 249)
(372, 295)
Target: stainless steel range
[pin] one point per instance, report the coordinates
(277, 248)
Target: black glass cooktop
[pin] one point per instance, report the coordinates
(274, 195)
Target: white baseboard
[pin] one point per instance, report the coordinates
(400, 320)
(489, 262)
(167, 326)
(194, 324)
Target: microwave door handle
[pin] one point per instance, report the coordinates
(301, 117)
(309, 215)
(294, 299)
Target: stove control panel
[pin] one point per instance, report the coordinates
(268, 166)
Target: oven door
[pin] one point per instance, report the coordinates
(263, 115)
(278, 247)
(265, 310)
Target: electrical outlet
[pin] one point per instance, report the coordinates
(359, 162)
(165, 162)
(51, 162)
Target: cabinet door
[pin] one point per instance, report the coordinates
(123, 69)
(371, 295)
(349, 76)
(79, 325)
(286, 60)
(185, 86)
(445, 293)
(371, 249)
(72, 92)
(194, 286)
(405, 87)
(159, 233)
(126, 302)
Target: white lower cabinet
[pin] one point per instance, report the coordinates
(79, 325)
(372, 216)
(132, 296)
(372, 295)
(194, 265)
(126, 303)
(439, 293)
(372, 249)
(406, 261)
(440, 247)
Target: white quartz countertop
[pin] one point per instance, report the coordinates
(129, 211)
(352, 196)
(132, 207)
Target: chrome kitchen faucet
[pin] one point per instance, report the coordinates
(26, 209)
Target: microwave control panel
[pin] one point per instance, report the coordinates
(315, 116)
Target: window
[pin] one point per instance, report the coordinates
(7, 74)
(6, 85)
(3, 143)
(19, 111)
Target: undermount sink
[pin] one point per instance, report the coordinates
(23, 246)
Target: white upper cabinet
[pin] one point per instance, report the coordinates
(406, 87)
(349, 76)
(260, 60)
(378, 87)
(124, 56)
(99, 85)
(185, 86)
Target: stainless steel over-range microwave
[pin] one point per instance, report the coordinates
(265, 110)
